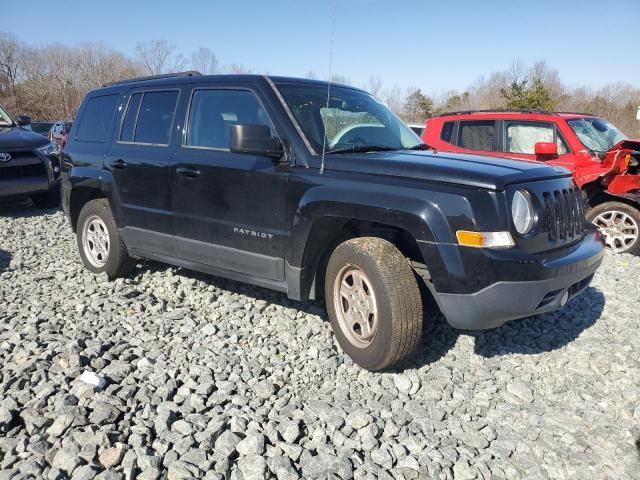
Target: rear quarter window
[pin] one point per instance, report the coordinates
(477, 135)
(447, 131)
(96, 119)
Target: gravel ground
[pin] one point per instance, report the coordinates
(208, 378)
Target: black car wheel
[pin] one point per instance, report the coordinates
(101, 247)
(374, 302)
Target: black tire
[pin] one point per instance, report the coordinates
(118, 263)
(633, 217)
(397, 299)
(50, 199)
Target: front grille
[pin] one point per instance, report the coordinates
(22, 164)
(564, 214)
(20, 171)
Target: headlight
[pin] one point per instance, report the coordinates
(49, 149)
(522, 212)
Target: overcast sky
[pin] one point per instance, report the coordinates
(435, 45)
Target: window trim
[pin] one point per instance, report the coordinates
(131, 93)
(84, 111)
(187, 123)
(557, 134)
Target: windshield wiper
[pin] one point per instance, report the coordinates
(363, 149)
(420, 146)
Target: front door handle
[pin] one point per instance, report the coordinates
(188, 172)
(118, 164)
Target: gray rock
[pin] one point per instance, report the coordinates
(520, 390)
(66, 459)
(252, 444)
(226, 444)
(289, 430)
(253, 467)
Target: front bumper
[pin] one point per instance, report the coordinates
(564, 277)
(19, 188)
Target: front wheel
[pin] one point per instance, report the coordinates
(619, 224)
(374, 302)
(101, 247)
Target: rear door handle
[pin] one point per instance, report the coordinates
(118, 164)
(188, 172)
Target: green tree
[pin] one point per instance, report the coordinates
(417, 106)
(528, 94)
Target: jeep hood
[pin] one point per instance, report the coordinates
(472, 170)
(20, 138)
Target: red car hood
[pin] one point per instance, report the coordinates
(626, 145)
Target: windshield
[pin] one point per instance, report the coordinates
(597, 134)
(5, 119)
(354, 120)
(41, 127)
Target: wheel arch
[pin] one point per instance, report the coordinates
(322, 224)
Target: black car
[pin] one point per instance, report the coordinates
(29, 163)
(318, 190)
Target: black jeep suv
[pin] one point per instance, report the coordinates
(320, 190)
(29, 163)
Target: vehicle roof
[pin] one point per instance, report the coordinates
(196, 78)
(530, 114)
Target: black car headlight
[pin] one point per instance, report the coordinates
(49, 149)
(523, 212)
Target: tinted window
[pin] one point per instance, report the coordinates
(213, 112)
(477, 135)
(96, 119)
(155, 117)
(521, 137)
(129, 124)
(447, 130)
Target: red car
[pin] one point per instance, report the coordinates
(604, 162)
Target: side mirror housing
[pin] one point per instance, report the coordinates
(23, 120)
(255, 139)
(546, 149)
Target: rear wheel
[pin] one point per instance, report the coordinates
(619, 224)
(374, 302)
(101, 248)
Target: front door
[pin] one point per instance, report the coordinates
(229, 209)
(139, 161)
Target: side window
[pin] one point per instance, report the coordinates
(521, 137)
(129, 124)
(213, 112)
(477, 135)
(96, 119)
(149, 117)
(447, 131)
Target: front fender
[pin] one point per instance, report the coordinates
(429, 217)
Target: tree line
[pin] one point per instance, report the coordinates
(49, 82)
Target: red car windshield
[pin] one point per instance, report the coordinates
(597, 134)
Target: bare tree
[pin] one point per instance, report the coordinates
(157, 56)
(238, 69)
(10, 53)
(204, 61)
(374, 85)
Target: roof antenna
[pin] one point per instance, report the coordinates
(324, 139)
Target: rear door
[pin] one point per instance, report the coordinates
(229, 209)
(139, 161)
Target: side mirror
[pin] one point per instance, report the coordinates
(23, 120)
(255, 140)
(546, 149)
